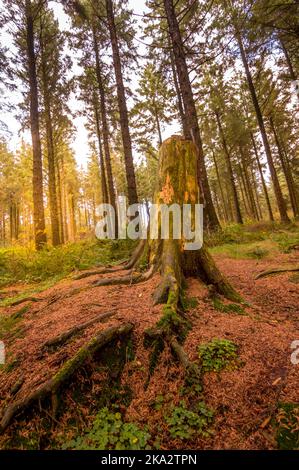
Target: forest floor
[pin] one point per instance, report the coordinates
(253, 402)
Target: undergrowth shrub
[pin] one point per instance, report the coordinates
(109, 432)
(287, 423)
(27, 265)
(185, 423)
(218, 354)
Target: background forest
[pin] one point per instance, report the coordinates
(242, 62)
(155, 100)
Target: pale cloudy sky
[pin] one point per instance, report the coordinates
(80, 143)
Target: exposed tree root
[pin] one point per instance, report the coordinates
(128, 265)
(107, 270)
(277, 271)
(192, 370)
(137, 253)
(126, 280)
(26, 299)
(52, 385)
(65, 336)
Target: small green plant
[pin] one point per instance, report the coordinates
(109, 432)
(287, 422)
(184, 423)
(218, 354)
(159, 402)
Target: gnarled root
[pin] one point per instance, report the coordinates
(126, 280)
(52, 385)
(277, 271)
(137, 253)
(66, 335)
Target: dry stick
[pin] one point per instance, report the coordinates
(66, 371)
(63, 337)
(276, 271)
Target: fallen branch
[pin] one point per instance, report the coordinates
(63, 337)
(67, 370)
(277, 271)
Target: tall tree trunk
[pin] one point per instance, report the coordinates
(50, 154)
(248, 186)
(178, 93)
(158, 126)
(220, 187)
(37, 180)
(101, 157)
(59, 201)
(122, 104)
(238, 215)
(256, 193)
(277, 189)
(105, 128)
(287, 174)
(192, 131)
(265, 190)
(288, 61)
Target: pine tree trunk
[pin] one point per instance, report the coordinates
(122, 104)
(277, 189)
(105, 128)
(265, 190)
(38, 202)
(238, 215)
(59, 202)
(178, 184)
(101, 159)
(192, 130)
(51, 155)
(285, 169)
(223, 202)
(178, 93)
(247, 185)
(288, 61)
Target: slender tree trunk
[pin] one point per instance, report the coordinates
(288, 177)
(105, 128)
(101, 157)
(178, 93)
(158, 126)
(265, 190)
(122, 104)
(248, 185)
(50, 155)
(243, 192)
(288, 61)
(238, 215)
(220, 187)
(38, 202)
(59, 195)
(277, 189)
(256, 193)
(192, 130)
